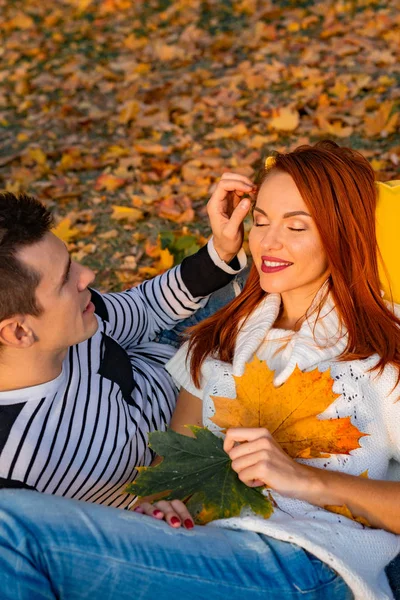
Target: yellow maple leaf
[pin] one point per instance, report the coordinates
(382, 122)
(121, 213)
(284, 119)
(289, 412)
(234, 132)
(37, 155)
(334, 128)
(64, 231)
(129, 111)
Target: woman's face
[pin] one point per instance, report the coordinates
(284, 241)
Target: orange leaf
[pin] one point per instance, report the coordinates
(23, 21)
(235, 132)
(108, 182)
(289, 412)
(178, 209)
(129, 111)
(335, 128)
(382, 122)
(284, 119)
(346, 512)
(165, 259)
(145, 147)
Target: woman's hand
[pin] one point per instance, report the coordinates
(226, 211)
(174, 512)
(259, 460)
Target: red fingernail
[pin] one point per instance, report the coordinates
(188, 523)
(175, 521)
(157, 513)
(138, 509)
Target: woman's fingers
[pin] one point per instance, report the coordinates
(174, 512)
(237, 177)
(259, 460)
(238, 435)
(146, 508)
(227, 211)
(248, 460)
(254, 475)
(236, 219)
(219, 199)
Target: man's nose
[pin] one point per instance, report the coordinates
(86, 277)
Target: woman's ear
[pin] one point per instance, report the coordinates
(15, 333)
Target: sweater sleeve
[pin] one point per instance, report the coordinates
(140, 313)
(179, 367)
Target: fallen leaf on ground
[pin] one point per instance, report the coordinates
(121, 213)
(383, 122)
(284, 119)
(64, 231)
(109, 182)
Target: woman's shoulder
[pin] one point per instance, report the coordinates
(365, 373)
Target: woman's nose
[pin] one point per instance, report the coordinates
(271, 239)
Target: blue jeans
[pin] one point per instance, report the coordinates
(52, 547)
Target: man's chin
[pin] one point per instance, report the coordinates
(90, 330)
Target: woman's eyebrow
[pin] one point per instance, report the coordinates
(294, 213)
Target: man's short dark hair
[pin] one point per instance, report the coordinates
(23, 221)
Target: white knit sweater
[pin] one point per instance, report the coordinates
(357, 553)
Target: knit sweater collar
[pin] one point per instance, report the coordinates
(318, 339)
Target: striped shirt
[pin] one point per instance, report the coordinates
(83, 434)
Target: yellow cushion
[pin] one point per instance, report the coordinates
(388, 236)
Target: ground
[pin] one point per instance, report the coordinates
(121, 114)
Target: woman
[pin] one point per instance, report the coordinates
(312, 300)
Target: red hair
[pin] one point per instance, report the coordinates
(338, 186)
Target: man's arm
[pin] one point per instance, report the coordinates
(137, 315)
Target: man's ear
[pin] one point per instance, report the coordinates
(16, 333)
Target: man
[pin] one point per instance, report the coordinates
(82, 380)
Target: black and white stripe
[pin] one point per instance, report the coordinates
(80, 435)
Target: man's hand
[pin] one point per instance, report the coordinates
(227, 210)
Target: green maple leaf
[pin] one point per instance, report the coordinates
(198, 471)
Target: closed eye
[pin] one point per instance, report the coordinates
(294, 229)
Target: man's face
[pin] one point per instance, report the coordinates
(68, 315)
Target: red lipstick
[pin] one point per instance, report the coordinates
(271, 264)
